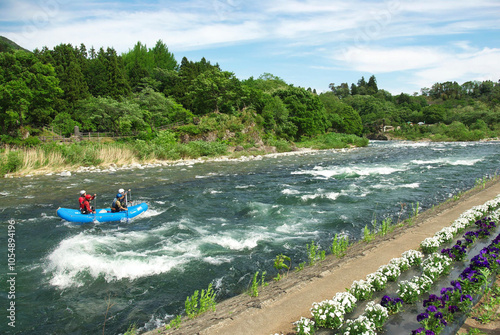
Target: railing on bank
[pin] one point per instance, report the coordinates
(52, 138)
(98, 136)
(91, 136)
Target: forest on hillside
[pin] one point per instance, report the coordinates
(145, 91)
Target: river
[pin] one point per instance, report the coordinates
(213, 222)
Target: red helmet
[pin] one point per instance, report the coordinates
(88, 197)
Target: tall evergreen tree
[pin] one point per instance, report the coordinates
(362, 86)
(66, 61)
(141, 62)
(106, 75)
(354, 89)
(371, 87)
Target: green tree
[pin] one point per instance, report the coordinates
(107, 114)
(28, 90)
(305, 110)
(141, 62)
(159, 110)
(434, 114)
(362, 86)
(276, 119)
(267, 83)
(64, 124)
(354, 89)
(372, 87)
(66, 61)
(341, 91)
(188, 72)
(343, 118)
(215, 90)
(105, 75)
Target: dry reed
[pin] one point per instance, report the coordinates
(119, 155)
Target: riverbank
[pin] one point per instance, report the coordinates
(162, 150)
(110, 158)
(130, 163)
(282, 303)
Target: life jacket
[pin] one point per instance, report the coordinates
(114, 205)
(81, 200)
(84, 209)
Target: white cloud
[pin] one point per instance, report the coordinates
(425, 66)
(306, 7)
(420, 41)
(379, 60)
(446, 6)
(204, 24)
(461, 67)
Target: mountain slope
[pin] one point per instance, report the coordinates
(7, 45)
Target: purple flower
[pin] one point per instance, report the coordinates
(466, 297)
(438, 315)
(431, 309)
(429, 332)
(417, 331)
(453, 309)
(386, 300)
(422, 316)
(456, 285)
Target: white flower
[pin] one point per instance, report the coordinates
(430, 243)
(413, 256)
(445, 235)
(391, 271)
(401, 262)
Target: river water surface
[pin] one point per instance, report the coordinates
(214, 222)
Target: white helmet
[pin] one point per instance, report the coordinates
(82, 192)
(121, 190)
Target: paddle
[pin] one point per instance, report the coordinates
(95, 206)
(127, 206)
(127, 201)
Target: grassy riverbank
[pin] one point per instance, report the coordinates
(54, 157)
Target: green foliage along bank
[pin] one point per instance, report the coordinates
(144, 91)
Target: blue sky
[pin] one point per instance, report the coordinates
(406, 44)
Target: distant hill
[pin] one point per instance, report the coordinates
(7, 45)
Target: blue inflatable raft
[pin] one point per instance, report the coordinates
(101, 215)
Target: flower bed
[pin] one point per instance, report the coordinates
(438, 311)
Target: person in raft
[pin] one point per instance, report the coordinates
(86, 208)
(122, 191)
(117, 205)
(82, 198)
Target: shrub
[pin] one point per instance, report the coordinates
(31, 141)
(281, 145)
(189, 129)
(202, 148)
(11, 162)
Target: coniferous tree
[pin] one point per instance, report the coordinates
(66, 61)
(106, 75)
(354, 89)
(371, 87)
